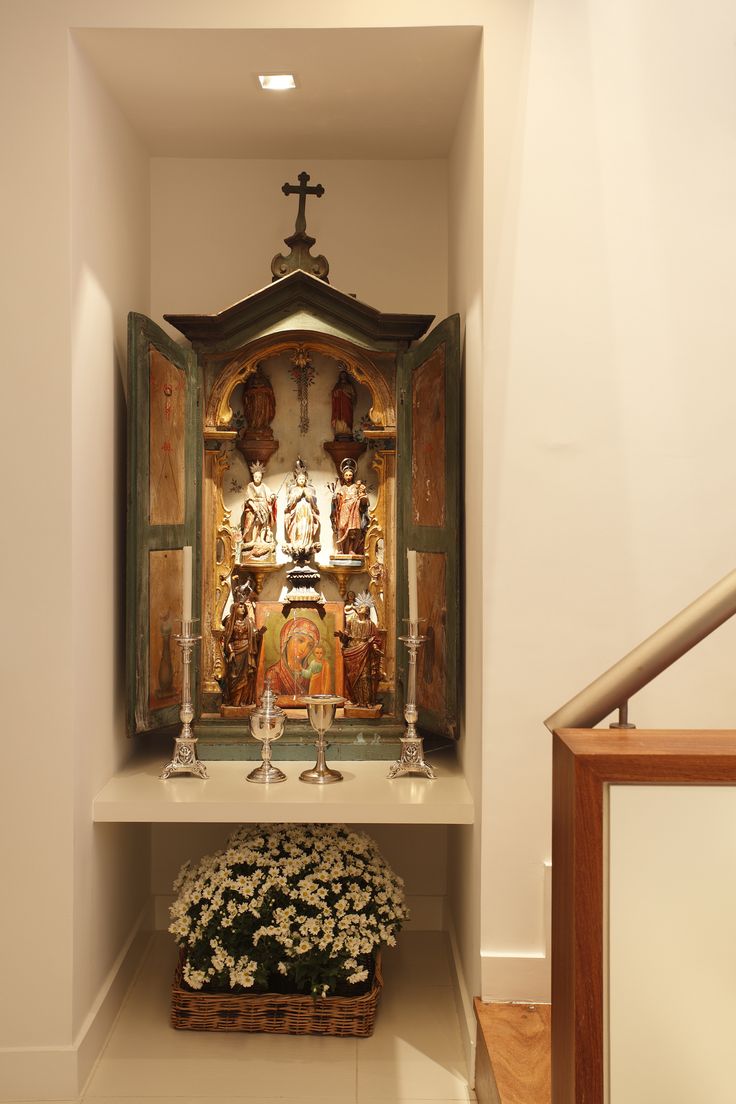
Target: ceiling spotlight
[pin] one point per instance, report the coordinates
(276, 82)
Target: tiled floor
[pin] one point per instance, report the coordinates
(415, 1053)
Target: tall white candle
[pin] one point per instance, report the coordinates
(186, 605)
(411, 559)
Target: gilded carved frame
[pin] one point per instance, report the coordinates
(233, 369)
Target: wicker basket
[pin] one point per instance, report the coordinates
(283, 1014)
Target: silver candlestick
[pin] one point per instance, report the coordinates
(412, 744)
(321, 709)
(185, 747)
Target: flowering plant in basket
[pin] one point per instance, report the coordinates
(287, 908)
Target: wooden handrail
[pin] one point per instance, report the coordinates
(614, 687)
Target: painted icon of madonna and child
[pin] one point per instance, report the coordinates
(299, 656)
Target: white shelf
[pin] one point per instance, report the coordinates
(366, 796)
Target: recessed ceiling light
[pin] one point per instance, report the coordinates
(276, 82)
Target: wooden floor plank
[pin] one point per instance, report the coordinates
(517, 1038)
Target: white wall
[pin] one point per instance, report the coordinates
(216, 224)
(465, 288)
(35, 445)
(610, 341)
(110, 276)
(69, 265)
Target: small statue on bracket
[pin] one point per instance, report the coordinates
(259, 405)
(344, 444)
(344, 397)
(256, 440)
(349, 513)
(258, 522)
(241, 648)
(363, 648)
(301, 516)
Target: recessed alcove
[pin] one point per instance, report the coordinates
(582, 233)
(375, 119)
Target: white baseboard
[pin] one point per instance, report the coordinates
(38, 1073)
(60, 1072)
(522, 976)
(515, 977)
(101, 1017)
(464, 1005)
(427, 912)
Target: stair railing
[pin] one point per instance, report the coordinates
(585, 765)
(613, 689)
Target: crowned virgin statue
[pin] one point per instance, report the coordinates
(301, 516)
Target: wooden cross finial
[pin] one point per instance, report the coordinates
(300, 242)
(302, 190)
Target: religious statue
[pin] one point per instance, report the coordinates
(349, 512)
(292, 674)
(320, 672)
(349, 608)
(241, 646)
(343, 405)
(362, 652)
(301, 516)
(258, 522)
(259, 405)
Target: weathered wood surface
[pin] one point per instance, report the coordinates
(514, 1046)
(163, 516)
(240, 322)
(430, 521)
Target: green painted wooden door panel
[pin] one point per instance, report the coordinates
(429, 519)
(164, 496)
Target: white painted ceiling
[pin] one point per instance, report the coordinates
(373, 93)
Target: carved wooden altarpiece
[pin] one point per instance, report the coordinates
(301, 445)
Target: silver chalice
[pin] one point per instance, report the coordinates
(267, 725)
(321, 709)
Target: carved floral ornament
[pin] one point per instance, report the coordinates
(383, 407)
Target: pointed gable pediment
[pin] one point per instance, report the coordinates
(285, 303)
